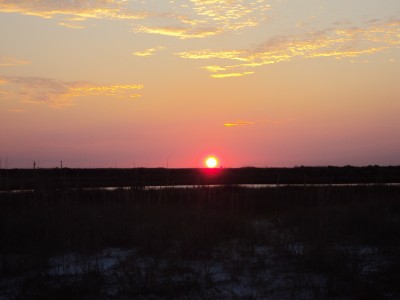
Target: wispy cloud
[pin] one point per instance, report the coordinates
(12, 61)
(72, 11)
(179, 31)
(259, 122)
(71, 25)
(208, 53)
(148, 52)
(205, 18)
(231, 75)
(58, 93)
(178, 18)
(335, 43)
(239, 123)
(16, 110)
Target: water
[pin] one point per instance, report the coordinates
(191, 186)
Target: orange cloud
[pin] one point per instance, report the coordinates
(230, 75)
(201, 19)
(12, 61)
(350, 53)
(148, 52)
(71, 25)
(238, 123)
(208, 54)
(16, 110)
(179, 32)
(72, 10)
(196, 18)
(265, 121)
(337, 43)
(121, 91)
(58, 93)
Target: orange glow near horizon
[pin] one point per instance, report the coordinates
(251, 83)
(211, 162)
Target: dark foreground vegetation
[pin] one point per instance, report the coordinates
(203, 243)
(15, 179)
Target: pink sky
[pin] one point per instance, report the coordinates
(154, 84)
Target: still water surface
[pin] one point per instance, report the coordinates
(251, 186)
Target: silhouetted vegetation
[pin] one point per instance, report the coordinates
(15, 179)
(205, 243)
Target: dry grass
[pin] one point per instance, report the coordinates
(205, 243)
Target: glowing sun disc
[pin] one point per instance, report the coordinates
(211, 162)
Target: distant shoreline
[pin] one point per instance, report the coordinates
(19, 179)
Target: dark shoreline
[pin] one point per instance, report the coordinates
(14, 179)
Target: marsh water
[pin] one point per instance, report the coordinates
(192, 186)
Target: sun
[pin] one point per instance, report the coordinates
(211, 162)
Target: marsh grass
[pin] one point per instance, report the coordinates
(205, 243)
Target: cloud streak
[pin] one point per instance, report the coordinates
(12, 61)
(148, 52)
(182, 19)
(179, 31)
(16, 110)
(72, 11)
(231, 75)
(239, 123)
(205, 18)
(335, 43)
(59, 94)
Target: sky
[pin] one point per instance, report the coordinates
(165, 83)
